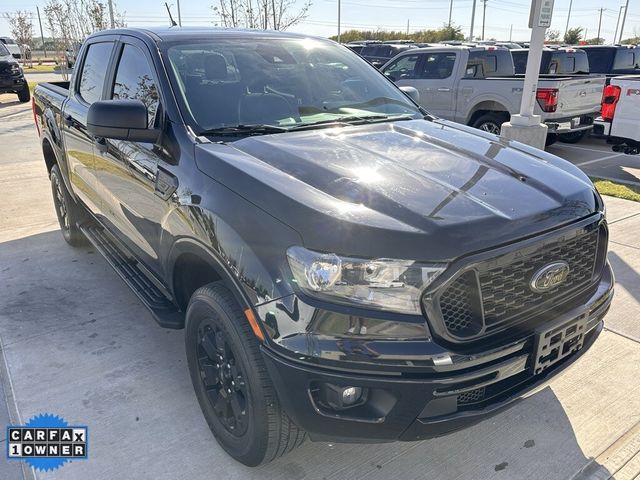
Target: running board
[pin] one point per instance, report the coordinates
(164, 311)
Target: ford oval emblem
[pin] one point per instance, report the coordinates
(549, 277)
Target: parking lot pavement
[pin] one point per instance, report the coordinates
(596, 158)
(77, 343)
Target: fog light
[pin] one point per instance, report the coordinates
(341, 398)
(351, 395)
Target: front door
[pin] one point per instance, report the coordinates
(127, 171)
(435, 83)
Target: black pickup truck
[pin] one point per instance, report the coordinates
(344, 264)
(12, 77)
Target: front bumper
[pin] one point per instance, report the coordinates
(416, 406)
(12, 83)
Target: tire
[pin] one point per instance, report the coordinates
(551, 139)
(24, 95)
(573, 137)
(490, 122)
(231, 382)
(69, 213)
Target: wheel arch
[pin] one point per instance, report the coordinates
(192, 265)
(484, 107)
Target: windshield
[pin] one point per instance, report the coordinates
(280, 82)
(3, 50)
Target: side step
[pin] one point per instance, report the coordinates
(164, 311)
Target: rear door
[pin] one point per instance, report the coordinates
(87, 87)
(127, 171)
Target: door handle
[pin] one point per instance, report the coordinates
(101, 144)
(444, 89)
(68, 120)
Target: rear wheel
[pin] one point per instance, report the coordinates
(231, 382)
(490, 122)
(551, 139)
(24, 95)
(573, 137)
(68, 211)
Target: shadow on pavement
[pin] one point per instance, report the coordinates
(79, 344)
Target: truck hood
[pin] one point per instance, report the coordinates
(418, 189)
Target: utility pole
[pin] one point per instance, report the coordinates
(450, 11)
(615, 35)
(179, 16)
(113, 25)
(473, 19)
(407, 27)
(568, 18)
(41, 34)
(511, 33)
(339, 8)
(484, 16)
(624, 19)
(599, 25)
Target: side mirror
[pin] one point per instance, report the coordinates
(120, 120)
(412, 93)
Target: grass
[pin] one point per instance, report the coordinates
(39, 68)
(619, 190)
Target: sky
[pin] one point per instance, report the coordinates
(501, 15)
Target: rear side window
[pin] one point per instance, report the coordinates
(94, 71)
(134, 80)
(437, 66)
(625, 60)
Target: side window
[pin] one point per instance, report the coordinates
(403, 68)
(134, 80)
(437, 66)
(94, 71)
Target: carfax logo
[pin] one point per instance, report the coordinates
(46, 442)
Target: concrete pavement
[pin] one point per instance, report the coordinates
(77, 343)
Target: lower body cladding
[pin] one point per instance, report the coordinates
(345, 406)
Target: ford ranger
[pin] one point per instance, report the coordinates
(477, 86)
(345, 266)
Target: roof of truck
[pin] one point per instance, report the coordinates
(178, 33)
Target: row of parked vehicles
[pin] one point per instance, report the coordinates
(481, 85)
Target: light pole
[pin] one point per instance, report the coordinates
(450, 12)
(473, 19)
(599, 25)
(484, 16)
(179, 16)
(339, 20)
(615, 35)
(568, 18)
(624, 19)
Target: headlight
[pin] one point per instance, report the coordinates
(15, 69)
(383, 284)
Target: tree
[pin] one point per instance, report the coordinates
(445, 33)
(21, 28)
(573, 36)
(595, 41)
(552, 36)
(265, 14)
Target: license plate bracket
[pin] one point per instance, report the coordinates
(553, 343)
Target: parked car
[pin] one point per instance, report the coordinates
(477, 87)
(344, 264)
(557, 61)
(621, 114)
(71, 53)
(560, 61)
(613, 60)
(380, 53)
(11, 76)
(12, 46)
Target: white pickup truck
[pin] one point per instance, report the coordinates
(621, 114)
(477, 86)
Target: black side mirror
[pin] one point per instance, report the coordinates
(120, 120)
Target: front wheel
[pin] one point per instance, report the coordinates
(69, 213)
(24, 95)
(490, 122)
(231, 382)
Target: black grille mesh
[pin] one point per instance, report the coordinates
(471, 396)
(505, 292)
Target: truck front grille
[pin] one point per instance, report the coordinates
(494, 294)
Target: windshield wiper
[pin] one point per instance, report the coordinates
(250, 129)
(351, 120)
